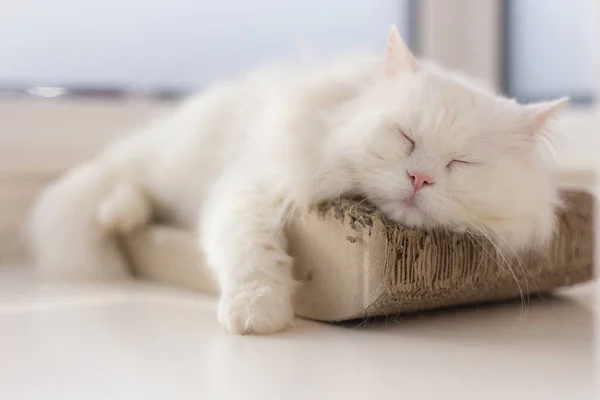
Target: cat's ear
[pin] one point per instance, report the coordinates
(540, 113)
(398, 57)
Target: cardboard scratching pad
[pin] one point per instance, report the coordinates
(355, 263)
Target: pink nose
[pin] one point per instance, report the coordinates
(419, 180)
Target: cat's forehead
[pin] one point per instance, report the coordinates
(454, 110)
(461, 95)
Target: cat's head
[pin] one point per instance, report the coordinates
(430, 148)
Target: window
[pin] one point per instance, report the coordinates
(530, 49)
(550, 49)
(176, 44)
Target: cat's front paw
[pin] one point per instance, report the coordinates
(259, 308)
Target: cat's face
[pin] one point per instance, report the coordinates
(431, 149)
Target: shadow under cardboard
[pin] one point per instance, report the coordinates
(551, 322)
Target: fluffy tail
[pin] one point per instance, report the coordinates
(73, 227)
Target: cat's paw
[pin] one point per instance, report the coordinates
(124, 210)
(257, 309)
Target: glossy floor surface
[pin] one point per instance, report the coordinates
(141, 341)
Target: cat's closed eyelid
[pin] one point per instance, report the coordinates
(459, 162)
(408, 138)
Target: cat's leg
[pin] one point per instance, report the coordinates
(73, 224)
(242, 235)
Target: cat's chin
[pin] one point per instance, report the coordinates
(405, 214)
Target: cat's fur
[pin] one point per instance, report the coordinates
(239, 158)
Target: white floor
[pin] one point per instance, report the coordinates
(139, 341)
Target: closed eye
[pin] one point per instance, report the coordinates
(412, 142)
(458, 163)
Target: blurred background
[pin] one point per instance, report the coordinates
(530, 49)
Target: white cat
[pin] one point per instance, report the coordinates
(427, 146)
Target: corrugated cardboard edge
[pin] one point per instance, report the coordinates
(437, 269)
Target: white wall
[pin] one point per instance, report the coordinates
(176, 42)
